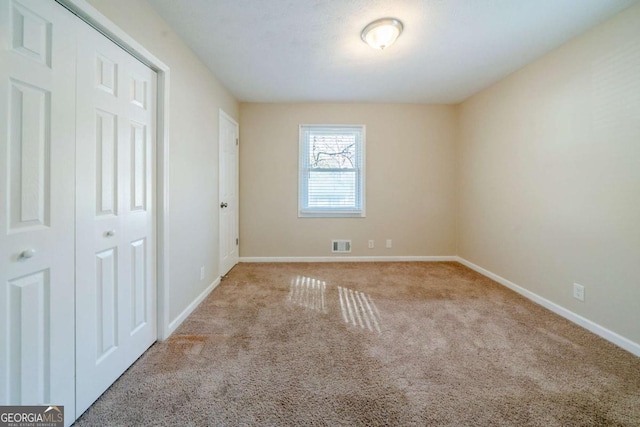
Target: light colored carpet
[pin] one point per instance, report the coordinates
(395, 344)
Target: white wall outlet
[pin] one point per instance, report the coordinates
(371, 244)
(202, 273)
(578, 292)
(389, 243)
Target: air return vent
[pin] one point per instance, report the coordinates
(341, 246)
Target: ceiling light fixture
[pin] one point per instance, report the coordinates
(381, 33)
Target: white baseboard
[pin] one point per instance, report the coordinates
(173, 325)
(350, 259)
(603, 332)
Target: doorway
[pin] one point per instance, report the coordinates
(228, 192)
(40, 225)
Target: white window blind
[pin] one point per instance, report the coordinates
(331, 171)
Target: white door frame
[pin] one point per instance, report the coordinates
(101, 23)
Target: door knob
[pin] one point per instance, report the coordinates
(110, 233)
(223, 205)
(26, 254)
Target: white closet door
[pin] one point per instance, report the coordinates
(115, 240)
(37, 119)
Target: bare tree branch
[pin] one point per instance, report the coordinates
(344, 155)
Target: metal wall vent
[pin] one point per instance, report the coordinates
(341, 246)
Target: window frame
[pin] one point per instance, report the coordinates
(304, 211)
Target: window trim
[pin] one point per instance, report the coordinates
(333, 212)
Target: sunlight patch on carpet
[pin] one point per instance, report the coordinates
(358, 309)
(309, 293)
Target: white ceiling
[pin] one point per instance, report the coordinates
(311, 51)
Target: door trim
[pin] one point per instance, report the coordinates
(102, 24)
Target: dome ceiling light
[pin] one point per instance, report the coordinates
(382, 33)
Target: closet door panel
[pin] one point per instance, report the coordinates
(37, 116)
(115, 240)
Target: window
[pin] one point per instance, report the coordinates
(331, 167)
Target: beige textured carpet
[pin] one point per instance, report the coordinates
(395, 344)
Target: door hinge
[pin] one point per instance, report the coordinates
(237, 241)
(237, 141)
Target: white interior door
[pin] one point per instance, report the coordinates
(37, 119)
(115, 211)
(228, 190)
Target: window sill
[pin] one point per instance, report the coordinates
(331, 214)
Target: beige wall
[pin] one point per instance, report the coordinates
(409, 181)
(549, 175)
(195, 98)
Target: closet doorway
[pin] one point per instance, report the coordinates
(82, 222)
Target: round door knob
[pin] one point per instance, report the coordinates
(26, 254)
(223, 205)
(110, 233)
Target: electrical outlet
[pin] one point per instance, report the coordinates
(202, 273)
(578, 292)
(371, 244)
(389, 243)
